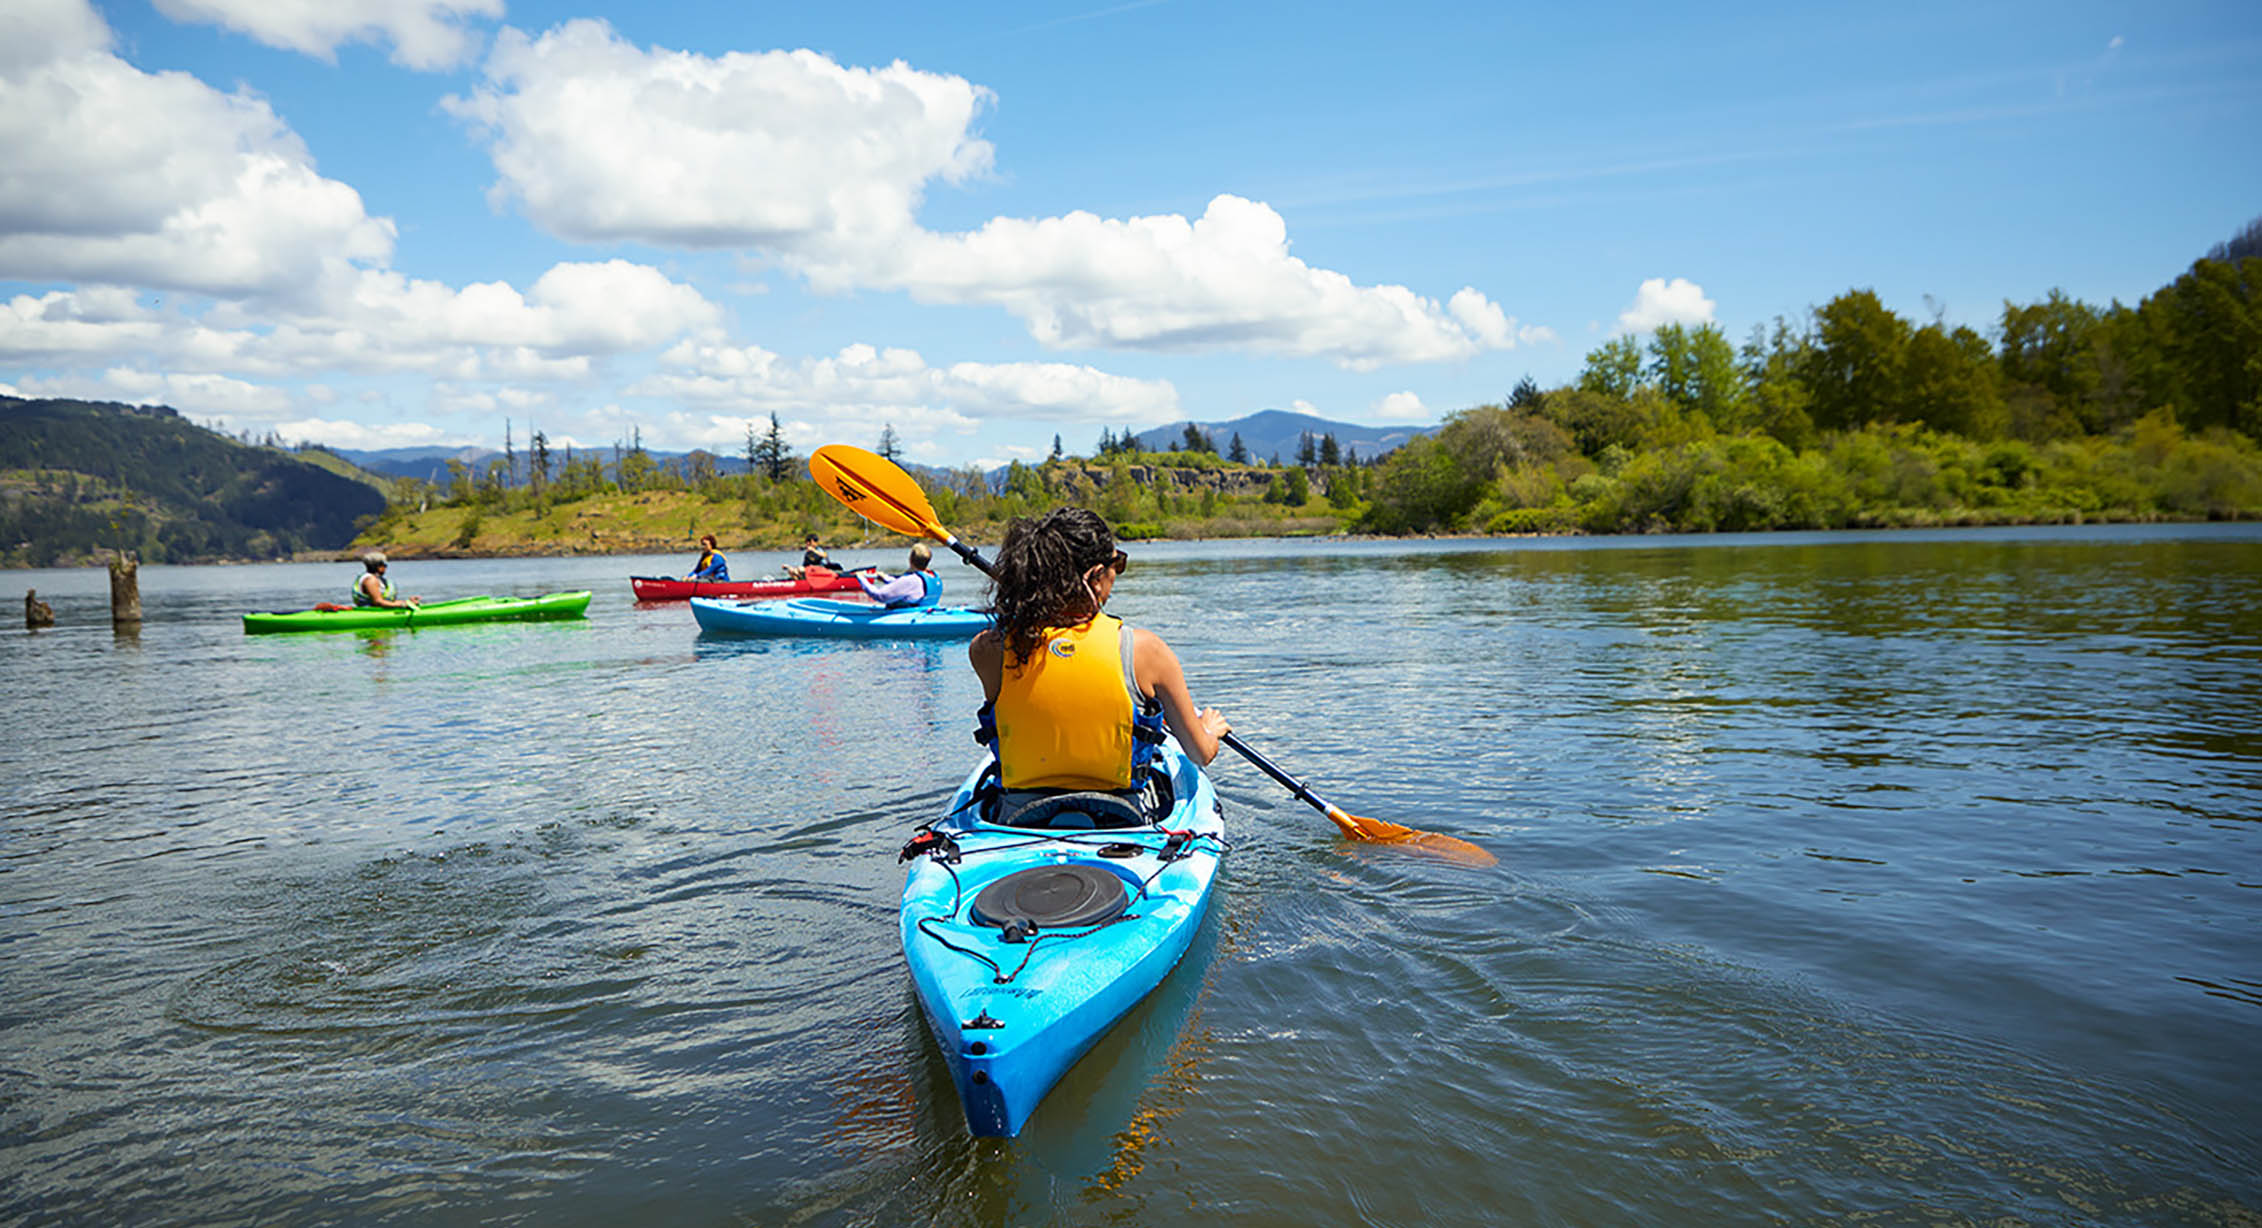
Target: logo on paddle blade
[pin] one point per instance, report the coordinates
(848, 492)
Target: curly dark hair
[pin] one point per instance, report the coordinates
(1039, 581)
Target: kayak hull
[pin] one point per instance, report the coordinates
(669, 588)
(1008, 1044)
(431, 614)
(816, 616)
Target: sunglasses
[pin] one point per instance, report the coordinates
(1116, 562)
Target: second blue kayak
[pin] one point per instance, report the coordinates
(850, 619)
(1028, 944)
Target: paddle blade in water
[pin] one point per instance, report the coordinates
(875, 488)
(1378, 831)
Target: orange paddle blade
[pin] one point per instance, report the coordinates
(1452, 848)
(874, 487)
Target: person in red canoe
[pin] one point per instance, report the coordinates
(812, 555)
(1077, 698)
(919, 586)
(373, 589)
(712, 565)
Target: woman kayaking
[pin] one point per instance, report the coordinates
(1077, 698)
(711, 565)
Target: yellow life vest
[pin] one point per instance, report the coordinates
(1065, 717)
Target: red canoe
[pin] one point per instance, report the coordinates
(668, 588)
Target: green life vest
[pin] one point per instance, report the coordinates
(361, 595)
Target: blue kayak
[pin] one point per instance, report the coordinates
(852, 619)
(1028, 944)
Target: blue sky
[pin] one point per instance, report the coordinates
(390, 222)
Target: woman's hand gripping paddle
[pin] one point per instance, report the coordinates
(875, 488)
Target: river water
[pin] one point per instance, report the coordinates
(1894, 877)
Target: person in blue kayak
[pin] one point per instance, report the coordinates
(373, 589)
(919, 586)
(1077, 699)
(812, 555)
(711, 565)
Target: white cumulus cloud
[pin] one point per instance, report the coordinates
(34, 32)
(1660, 302)
(1400, 407)
(119, 176)
(1223, 281)
(200, 395)
(597, 140)
(118, 179)
(345, 433)
(868, 384)
(425, 34)
(822, 169)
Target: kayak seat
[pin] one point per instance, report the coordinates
(1065, 811)
(1076, 811)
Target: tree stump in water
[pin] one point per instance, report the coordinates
(37, 613)
(125, 590)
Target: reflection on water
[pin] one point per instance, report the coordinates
(1842, 876)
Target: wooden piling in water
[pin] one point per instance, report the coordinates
(125, 590)
(37, 613)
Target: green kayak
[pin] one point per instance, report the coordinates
(431, 614)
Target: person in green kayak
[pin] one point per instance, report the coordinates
(812, 555)
(1077, 699)
(919, 586)
(711, 565)
(373, 589)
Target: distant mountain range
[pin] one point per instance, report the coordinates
(429, 464)
(1267, 434)
(1279, 433)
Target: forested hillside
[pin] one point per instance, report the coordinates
(78, 478)
(1857, 416)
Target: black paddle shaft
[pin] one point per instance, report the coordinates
(971, 555)
(1274, 770)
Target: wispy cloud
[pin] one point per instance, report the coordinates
(1074, 18)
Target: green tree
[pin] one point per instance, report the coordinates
(1696, 370)
(1237, 452)
(1853, 368)
(1949, 383)
(1299, 488)
(538, 458)
(773, 454)
(1614, 368)
(2052, 347)
(1595, 420)
(890, 447)
(2208, 326)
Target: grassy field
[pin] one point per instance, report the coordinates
(650, 522)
